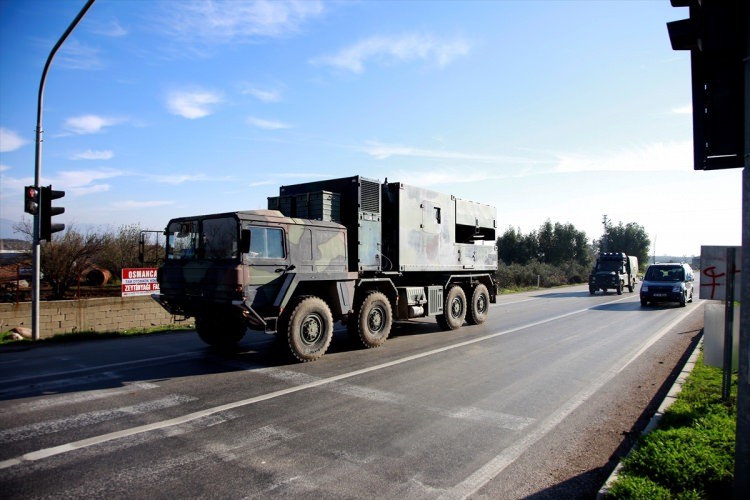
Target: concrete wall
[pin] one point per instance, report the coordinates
(86, 315)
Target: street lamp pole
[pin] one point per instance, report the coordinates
(36, 272)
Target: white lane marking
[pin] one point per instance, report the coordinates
(491, 469)
(497, 419)
(96, 368)
(89, 418)
(95, 440)
(75, 398)
(153, 473)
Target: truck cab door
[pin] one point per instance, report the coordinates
(266, 260)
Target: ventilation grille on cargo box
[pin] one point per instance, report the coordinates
(370, 201)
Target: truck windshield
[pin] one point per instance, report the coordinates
(212, 239)
(609, 265)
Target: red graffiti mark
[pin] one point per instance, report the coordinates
(710, 272)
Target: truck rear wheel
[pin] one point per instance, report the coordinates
(454, 309)
(374, 320)
(220, 330)
(310, 329)
(480, 306)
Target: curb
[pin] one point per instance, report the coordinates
(669, 399)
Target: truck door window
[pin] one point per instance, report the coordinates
(183, 240)
(266, 243)
(220, 238)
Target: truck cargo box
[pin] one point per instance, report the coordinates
(394, 227)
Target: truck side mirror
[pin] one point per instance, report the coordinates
(245, 237)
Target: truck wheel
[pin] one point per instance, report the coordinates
(454, 309)
(619, 288)
(592, 290)
(310, 329)
(683, 299)
(222, 331)
(480, 306)
(631, 286)
(374, 320)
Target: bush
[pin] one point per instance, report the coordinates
(691, 453)
(515, 276)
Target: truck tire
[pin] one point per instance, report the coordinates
(592, 290)
(479, 307)
(310, 329)
(222, 331)
(374, 320)
(631, 286)
(619, 288)
(454, 309)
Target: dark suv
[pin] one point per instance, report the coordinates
(670, 282)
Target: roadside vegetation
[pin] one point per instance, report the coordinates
(559, 254)
(690, 455)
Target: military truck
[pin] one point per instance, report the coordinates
(613, 271)
(351, 250)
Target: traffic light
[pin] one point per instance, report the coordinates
(31, 200)
(715, 34)
(46, 227)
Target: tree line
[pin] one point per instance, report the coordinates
(558, 254)
(71, 255)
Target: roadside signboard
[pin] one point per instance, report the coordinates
(139, 281)
(714, 272)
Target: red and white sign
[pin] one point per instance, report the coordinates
(139, 281)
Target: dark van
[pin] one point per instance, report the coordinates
(668, 282)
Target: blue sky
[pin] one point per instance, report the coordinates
(549, 110)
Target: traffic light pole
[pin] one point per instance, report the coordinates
(36, 251)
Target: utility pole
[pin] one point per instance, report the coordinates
(36, 253)
(605, 237)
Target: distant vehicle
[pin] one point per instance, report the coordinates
(667, 282)
(613, 271)
(349, 250)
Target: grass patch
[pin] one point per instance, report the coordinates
(691, 453)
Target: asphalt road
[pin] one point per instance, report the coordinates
(539, 402)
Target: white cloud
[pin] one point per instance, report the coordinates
(4, 168)
(684, 110)
(140, 204)
(82, 182)
(192, 104)
(266, 124)
(655, 157)
(10, 140)
(383, 151)
(388, 50)
(222, 21)
(75, 55)
(263, 95)
(180, 179)
(93, 155)
(110, 29)
(89, 124)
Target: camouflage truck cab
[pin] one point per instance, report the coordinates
(349, 250)
(613, 271)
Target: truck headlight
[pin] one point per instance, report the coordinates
(677, 288)
(644, 288)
